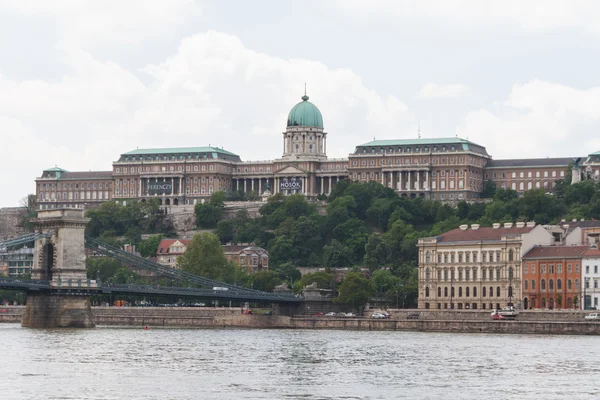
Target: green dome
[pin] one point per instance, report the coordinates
(305, 114)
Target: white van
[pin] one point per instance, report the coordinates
(593, 316)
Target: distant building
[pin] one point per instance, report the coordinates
(591, 278)
(16, 262)
(169, 249)
(251, 258)
(474, 267)
(446, 169)
(552, 277)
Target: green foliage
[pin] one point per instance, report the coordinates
(355, 290)
(205, 257)
(102, 268)
(225, 230)
(265, 280)
(336, 255)
(30, 205)
(112, 219)
(149, 247)
(324, 280)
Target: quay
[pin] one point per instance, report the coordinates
(466, 321)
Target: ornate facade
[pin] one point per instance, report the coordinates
(446, 169)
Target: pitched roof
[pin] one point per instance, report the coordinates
(530, 162)
(164, 245)
(481, 234)
(178, 150)
(556, 252)
(418, 141)
(87, 175)
(234, 248)
(592, 252)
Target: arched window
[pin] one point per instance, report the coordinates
(459, 292)
(543, 284)
(510, 273)
(474, 291)
(525, 285)
(569, 302)
(558, 284)
(483, 292)
(551, 284)
(466, 292)
(510, 291)
(445, 292)
(498, 291)
(439, 292)
(543, 302)
(576, 283)
(511, 255)
(427, 292)
(452, 292)
(427, 274)
(569, 284)
(532, 288)
(491, 291)
(428, 257)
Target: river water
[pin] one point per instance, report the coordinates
(133, 363)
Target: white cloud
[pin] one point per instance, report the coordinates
(533, 14)
(538, 119)
(109, 20)
(213, 90)
(434, 91)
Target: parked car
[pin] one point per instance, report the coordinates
(496, 316)
(330, 314)
(319, 314)
(592, 316)
(350, 314)
(413, 316)
(378, 316)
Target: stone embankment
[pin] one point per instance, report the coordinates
(528, 322)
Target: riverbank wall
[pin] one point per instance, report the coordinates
(528, 322)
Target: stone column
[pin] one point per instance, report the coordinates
(383, 178)
(245, 185)
(400, 181)
(427, 180)
(409, 181)
(252, 184)
(237, 184)
(329, 188)
(259, 185)
(325, 144)
(322, 185)
(418, 178)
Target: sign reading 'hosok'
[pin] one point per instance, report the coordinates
(291, 184)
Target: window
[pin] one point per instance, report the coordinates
(533, 268)
(543, 269)
(525, 284)
(474, 291)
(445, 292)
(511, 255)
(426, 292)
(587, 269)
(427, 257)
(459, 292)
(525, 269)
(543, 284)
(550, 268)
(483, 292)
(498, 291)
(466, 292)
(427, 274)
(439, 292)
(569, 284)
(558, 284)
(533, 284)
(559, 268)
(551, 284)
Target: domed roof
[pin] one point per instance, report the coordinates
(305, 114)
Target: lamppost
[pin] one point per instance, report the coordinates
(451, 288)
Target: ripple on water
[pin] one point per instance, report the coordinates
(107, 363)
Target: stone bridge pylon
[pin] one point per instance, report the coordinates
(60, 260)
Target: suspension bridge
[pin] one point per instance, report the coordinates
(58, 293)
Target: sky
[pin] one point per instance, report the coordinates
(84, 81)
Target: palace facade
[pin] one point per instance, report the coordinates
(446, 169)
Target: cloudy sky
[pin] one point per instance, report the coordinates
(83, 81)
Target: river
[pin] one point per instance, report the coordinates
(133, 363)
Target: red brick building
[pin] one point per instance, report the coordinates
(551, 277)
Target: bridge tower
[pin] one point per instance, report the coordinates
(60, 259)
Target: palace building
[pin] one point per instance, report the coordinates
(446, 169)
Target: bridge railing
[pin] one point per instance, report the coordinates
(142, 263)
(20, 240)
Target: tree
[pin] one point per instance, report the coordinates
(225, 230)
(265, 280)
(377, 251)
(29, 204)
(205, 257)
(149, 247)
(323, 279)
(355, 290)
(489, 189)
(336, 255)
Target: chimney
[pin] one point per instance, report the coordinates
(474, 226)
(531, 224)
(496, 225)
(463, 227)
(508, 225)
(520, 224)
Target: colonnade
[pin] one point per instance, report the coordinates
(308, 185)
(406, 180)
